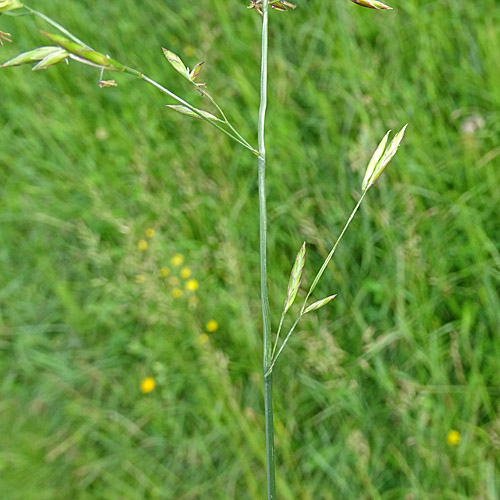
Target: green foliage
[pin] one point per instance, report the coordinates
(375, 381)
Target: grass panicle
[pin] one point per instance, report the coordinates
(68, 46)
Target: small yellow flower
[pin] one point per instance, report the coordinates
(453, 438)
(148, 385)
(164, 271)
(142, 245)
(212, 326)
(174, 281)
(140, 278)
(176, 293)
(185, 273)
(203, 338)
(193, 301)
(192, 285)
(150, 232)
(177, 260)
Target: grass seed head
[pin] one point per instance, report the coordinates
(176, 62)
(53, 58)
(184, 110)
(319, 303)
(295, 277)
(84, 54)
(381, 158)
(6, 5)
(372, 4)
(279, 5)
(30, 56)
(196, 71)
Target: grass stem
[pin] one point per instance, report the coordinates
(268, 381)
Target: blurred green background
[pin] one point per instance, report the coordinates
(370, 386)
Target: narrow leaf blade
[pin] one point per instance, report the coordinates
(319, 303)
(295, 277)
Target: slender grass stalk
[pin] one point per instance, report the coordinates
(84, 53)
(266, 320)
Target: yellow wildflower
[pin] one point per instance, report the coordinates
(185, 273)
(176, 293)
(142, 245)
(150, 232)
(453, 438)
(164, 271)
(202, 339)
(140, 278)
(174, 281)
(177, 260)
(212, 326)
(148, 385)
(193, 301)
(192, 285)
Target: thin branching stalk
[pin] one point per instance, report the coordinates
(223, 115)
(314, 283)
(233, 134)
(268, 380)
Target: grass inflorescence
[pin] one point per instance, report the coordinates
(384, 392)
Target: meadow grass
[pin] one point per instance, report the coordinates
(371, 385)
